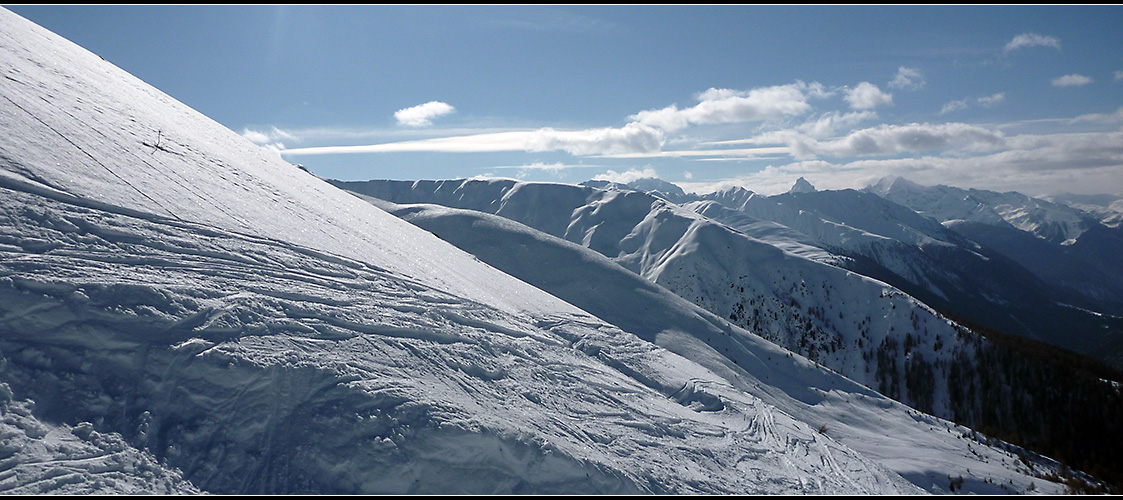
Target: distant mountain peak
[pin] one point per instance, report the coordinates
(1058, 223)
(892, 183)
(802, 186)
(605, 185)
(734, 190)
(656, 184)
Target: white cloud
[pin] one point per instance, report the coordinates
(953, 106)
(730, 153)
(271, 135)
(1116, 117)
(255, 136)
(547, 167)
(992, 100)
(1061, 152)
(270, 139)
(554, 168)
(717, 106)
(321, 135)
(1118, 75)
(895, 139)
(1081, 163)
(831, 122)
(1032, 40)
(687, 175)
(628, 176)
(907, 78)
(632, 138)
(867, 96)
(422, 115)
(1071, 81)
(986, 102)
(491, 176)
(953, 138)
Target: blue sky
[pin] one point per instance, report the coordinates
(1026, 98)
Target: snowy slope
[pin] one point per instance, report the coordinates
(843, 224)
(802, 186)
(860, 327)
(1108, 209)
(983, 278)
(164, 280)
(858, 417)
(1105, 207)
(1050, 221)
(1089, 266)
(831, 315)
(845, 219)
(1076, 250)
(773, 233)
(133, 324)
(172, 162)
(40, 457)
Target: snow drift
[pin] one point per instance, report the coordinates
(597, 284)
(187, 312)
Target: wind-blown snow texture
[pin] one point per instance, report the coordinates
(999, 285)
(183, 311)
(1064, 246)
(984, 269)
(783, 296)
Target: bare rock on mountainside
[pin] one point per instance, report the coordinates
(200, 315)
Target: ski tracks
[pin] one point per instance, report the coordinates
(38, 458)
(183, 279)
(111, 278)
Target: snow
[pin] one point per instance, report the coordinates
(802, 186)
(399, 387)
(166, 281)
(1072, 250)
(189, 313)
(1053, 222)
(38, 457)
(202, 171)
(793, 383)
(775, 234)
(970, 269)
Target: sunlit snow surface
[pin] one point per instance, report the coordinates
(859, 418)
(1046, 220)
(177, 304)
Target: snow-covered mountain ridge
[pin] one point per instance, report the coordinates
(969, 274)
(243, 327)
(992, 274)
(396, 381)
(1076, 250)
(1107, 208)
(532, 256)
(1050, 221)
(857, 326)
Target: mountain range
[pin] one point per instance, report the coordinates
(818, 287)
(182, 311)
